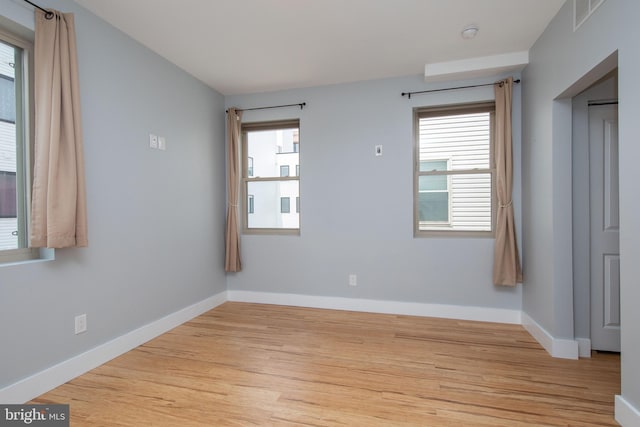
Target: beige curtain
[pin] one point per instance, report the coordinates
(506, 261)
(58, 205)
(232, 237)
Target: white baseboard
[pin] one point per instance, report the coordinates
(584, 347)
(482, 314)
(556, 347)
(41, 382)
(626, 415)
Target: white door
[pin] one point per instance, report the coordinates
(605, 240)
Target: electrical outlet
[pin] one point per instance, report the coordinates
(153, 141)
(353, 280)
(81, 324)
(378, 150)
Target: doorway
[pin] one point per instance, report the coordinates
(596, 259)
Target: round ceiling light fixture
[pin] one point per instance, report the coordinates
(469, 32)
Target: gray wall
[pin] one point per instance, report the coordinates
(357, 209)
(560, 65)
(156, 219)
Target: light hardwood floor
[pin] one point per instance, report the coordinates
(263, 365)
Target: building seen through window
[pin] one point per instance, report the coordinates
(454, 184)
(9, 232)
(271, 167)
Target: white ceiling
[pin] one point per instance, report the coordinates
(244, 46)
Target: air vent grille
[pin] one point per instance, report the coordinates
(582, 10)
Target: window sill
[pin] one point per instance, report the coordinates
(272, 231)
(26, 256)
(455, 234)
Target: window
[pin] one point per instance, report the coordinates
(296, 141)
(285, 205)
(7, 97)
(15, 120)
(8, 199)
(433, 192)
(250, 204)
(454, 171)
(269, 157)
(297, 204)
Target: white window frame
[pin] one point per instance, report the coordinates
(443, 111)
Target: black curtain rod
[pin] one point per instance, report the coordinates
(47, 13)
(597, 103)
(301, 105)
(408, 94)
